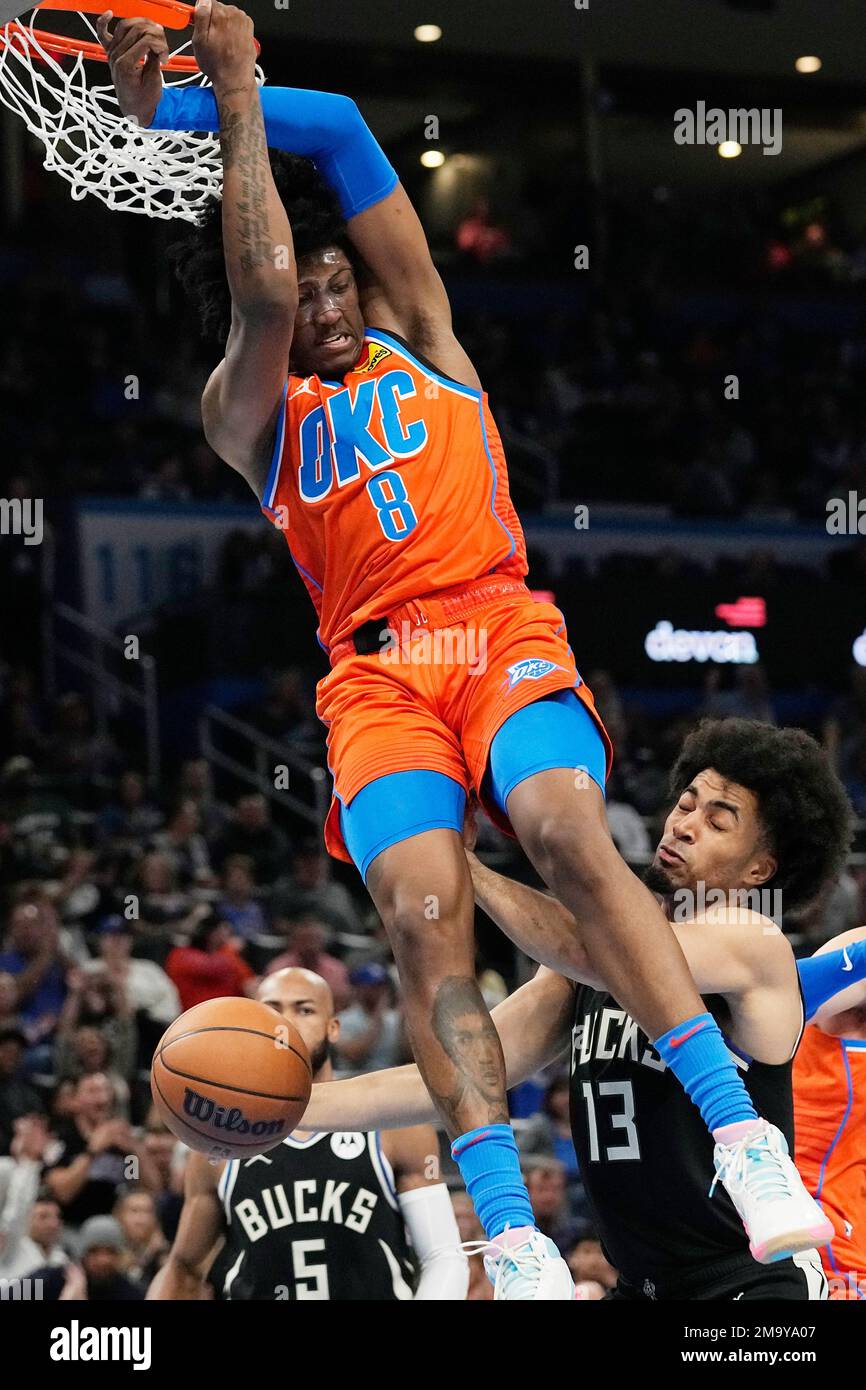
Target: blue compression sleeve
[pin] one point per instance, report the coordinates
(823, 976)
(326, 128)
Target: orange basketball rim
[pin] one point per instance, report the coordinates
(171, 14)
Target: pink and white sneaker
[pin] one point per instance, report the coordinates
(754, 1167)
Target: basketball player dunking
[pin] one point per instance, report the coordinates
(321, 1216)
(348, 404)
(756, 805)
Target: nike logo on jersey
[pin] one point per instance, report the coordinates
(848, 962)
(305, 389)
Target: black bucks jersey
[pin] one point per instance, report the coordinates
(314, 1218)
(646, 1157)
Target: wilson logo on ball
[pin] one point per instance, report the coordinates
(202, 1108)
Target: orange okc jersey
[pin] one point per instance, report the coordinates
(830, 1130)
(389, 485)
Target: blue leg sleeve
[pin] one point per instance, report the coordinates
(326, 128)
(823, 976)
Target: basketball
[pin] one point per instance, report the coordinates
(231, 1078)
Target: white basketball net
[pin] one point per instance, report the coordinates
(93, 146)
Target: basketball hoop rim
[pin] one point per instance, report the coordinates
(64, 46)
(173, 14)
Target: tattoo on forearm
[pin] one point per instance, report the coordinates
(465, 1032)
(243, 146)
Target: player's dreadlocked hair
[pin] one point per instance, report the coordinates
(802, 804)
(316, 221)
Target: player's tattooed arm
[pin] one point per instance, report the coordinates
(242, 398)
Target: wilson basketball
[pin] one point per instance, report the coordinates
(231, 1078)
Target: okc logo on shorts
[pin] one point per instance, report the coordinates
(531, 668)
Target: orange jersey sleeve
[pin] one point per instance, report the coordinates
(389, 485)
(830, 1135)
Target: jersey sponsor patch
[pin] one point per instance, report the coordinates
(347, 1145)
(376, 353)
(531, 668)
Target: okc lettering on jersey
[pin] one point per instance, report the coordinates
(306, 1203)
(336, 438)
(608, 1034)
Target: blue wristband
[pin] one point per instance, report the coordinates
(823, 976)
(326, 128)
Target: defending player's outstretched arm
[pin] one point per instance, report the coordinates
(834, 979)
(733, 952)
(182, 1275)
(534, 1026)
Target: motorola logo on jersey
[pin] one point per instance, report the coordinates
(202, 1108)
(348, 1145)
(337, 437)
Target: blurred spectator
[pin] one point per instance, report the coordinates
(97, 1031)
(101, 1251)
(161, 903)
(371, 1028)
(546, 1182)
(750, 699)
(163, 1150)
(184, 847)
(73, 750)
(17, 1096)
(590, 1270)
(549, 1132)
(30, 1225)
(287, 713)
(239, 905)
(209, 966)
(131, 817)
(470, 1228)
(145, 984)
(145, 1244)
(196, 784)
(307, 938)
(34, 958)
(310, 888)
(97, 1152)
(251, 832)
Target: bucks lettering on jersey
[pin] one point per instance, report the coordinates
(646, 1157)
(316, 1218)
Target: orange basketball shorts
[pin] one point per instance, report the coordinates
(435, 698)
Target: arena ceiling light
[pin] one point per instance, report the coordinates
(809, 63)
(432, 159)
(428, 33)
(729, 149)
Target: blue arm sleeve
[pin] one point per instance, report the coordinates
(823, 976)
(326, 128)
